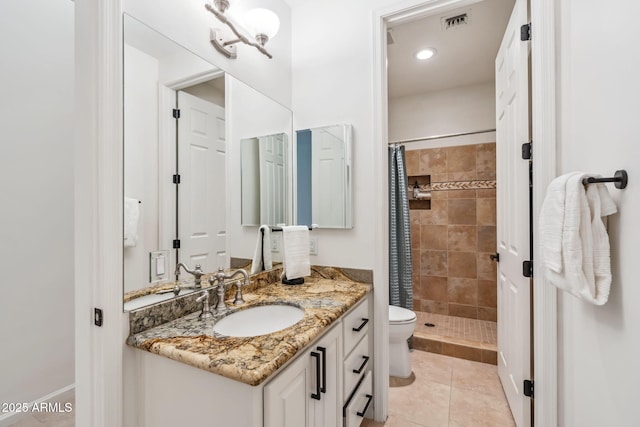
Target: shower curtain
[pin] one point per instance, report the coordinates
(400, 288)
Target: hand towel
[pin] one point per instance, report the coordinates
(131, 218)
(262, 254)
(295, 242)
(574, 240)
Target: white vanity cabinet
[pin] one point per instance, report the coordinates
(308, 392)
(358, 362)
(326, 385)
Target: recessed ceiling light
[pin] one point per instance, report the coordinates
(424, 54)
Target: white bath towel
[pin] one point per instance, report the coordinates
(574, 240)
(262, 259)
(295, 240)
(131, 219)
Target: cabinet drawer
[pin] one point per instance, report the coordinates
(356, 325)
(356, 365)
(356, 408)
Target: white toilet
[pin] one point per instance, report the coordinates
(402, 323)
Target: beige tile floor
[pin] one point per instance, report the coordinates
(447, 392)
(52, 419)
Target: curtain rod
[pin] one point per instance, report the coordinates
(449, 135)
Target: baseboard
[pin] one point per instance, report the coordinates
(6, 419)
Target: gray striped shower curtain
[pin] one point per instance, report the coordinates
(400, 289)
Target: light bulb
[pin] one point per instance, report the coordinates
(262, 23)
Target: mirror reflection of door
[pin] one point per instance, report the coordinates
(328, 177)
(263, 180)
(202, 190)
(272, 175)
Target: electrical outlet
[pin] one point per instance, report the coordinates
(313, 245)
(275, 244)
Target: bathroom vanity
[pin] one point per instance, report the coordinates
(316, 372)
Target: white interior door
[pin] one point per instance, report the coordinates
(201, 193)
(272, 185)
(514, 298)
(328, 179)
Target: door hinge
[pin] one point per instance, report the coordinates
(176, 113)
(495, 257)
(527, 150)
(527, 268)
(528, 388)
(176, 179)
(525, 32)
(176, 244)
(97, 316)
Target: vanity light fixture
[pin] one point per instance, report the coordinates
(263, 23)
(424, 54)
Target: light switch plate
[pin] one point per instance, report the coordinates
(158, 266)
(313, 245)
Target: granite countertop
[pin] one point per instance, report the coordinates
(252, 360)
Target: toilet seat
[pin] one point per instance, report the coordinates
(400, 316)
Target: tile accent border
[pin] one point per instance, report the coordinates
(463, 185)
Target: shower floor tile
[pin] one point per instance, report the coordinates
(460, 337)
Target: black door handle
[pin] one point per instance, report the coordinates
(323, 387)
(359, 328)
(316, 395)
(364, 363)
(495, 257)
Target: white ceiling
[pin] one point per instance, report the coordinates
(465, 54)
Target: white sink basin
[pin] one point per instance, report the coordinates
(259, 320)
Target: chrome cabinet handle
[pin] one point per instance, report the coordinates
(361, 414)
(359, 328)
(364, 363)
(316, 395)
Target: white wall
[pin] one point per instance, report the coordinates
(36, 184)
(456, 110)
(599, 347)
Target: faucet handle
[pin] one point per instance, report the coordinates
(206, 309)
(238, 299)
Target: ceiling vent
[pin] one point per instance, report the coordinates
(456, 21)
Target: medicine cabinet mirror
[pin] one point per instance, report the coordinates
(323, 177)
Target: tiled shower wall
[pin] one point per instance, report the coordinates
(452, 241)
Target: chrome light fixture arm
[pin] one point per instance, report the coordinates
(227, 47)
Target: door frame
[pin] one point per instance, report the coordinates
(543, 109)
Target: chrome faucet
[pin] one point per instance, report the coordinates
(197, 274)
(220, 278)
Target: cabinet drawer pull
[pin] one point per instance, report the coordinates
(359, 328)
(316, 395)
(364, 363)
(361, 414)
(323, 387)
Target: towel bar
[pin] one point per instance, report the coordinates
(620, 179)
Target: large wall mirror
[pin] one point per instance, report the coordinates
(323, 177)
(184, 120)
